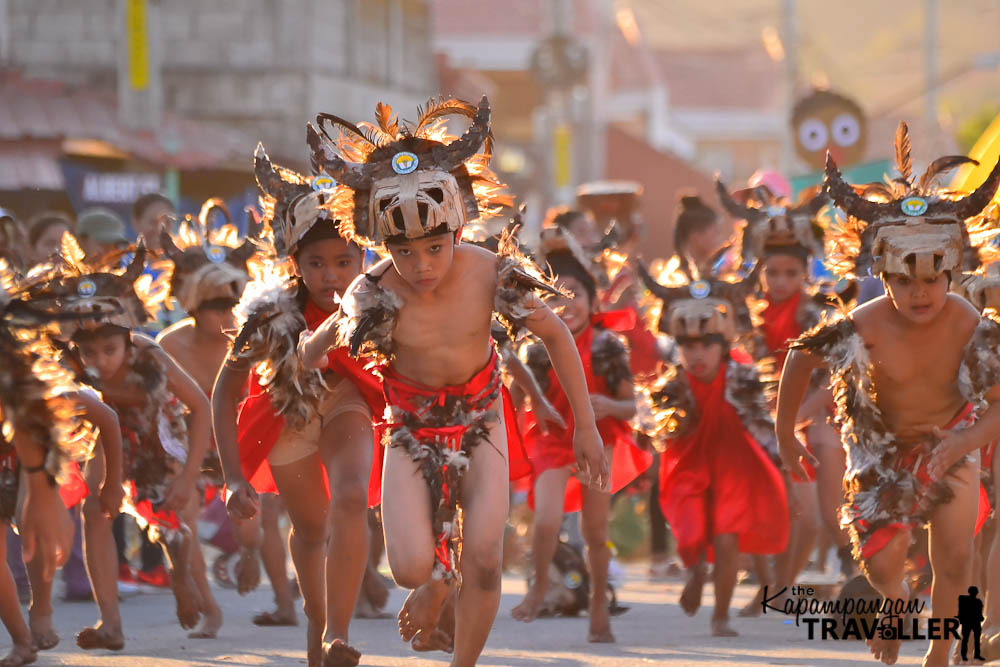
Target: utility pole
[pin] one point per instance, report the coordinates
(790, 39)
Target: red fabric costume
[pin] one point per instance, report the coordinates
(555, 449)
(259, 425)
(717, 480)
(423, 408)
(781, 325)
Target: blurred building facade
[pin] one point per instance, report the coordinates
(264, 67)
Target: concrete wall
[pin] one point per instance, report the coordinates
(264, 66)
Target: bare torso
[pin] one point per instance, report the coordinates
(915, 368)
(199, 355)
(443, 337)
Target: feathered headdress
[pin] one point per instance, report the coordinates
(207, 264)
(773, 221)
(34, 386)
(293, 204)
(408, 179)
(702, 307)
(85, 296)
(902, 226)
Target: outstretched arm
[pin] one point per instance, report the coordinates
(791, 390)
(558, 341)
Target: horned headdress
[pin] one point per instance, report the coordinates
(89, 296)
(704, 306)
(773, 222)
(407, 180)
(904, 226)
(293, 203)
(208, 264)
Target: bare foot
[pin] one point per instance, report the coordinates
(886, 650)
(247, 571)
(753, 608)
(721, 628)
(600, 622)
(338, 654)
(421, 609)
(42, 633)
(188, 600)
(278, 617)
(442, 638)
(20, 654)
(530, 606)
(100, 637)
(691, 595)
(210, 624)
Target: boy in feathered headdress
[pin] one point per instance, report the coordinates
(719, 489)
(914, 375)
(165, 425)
(302, 432)
(427, 311)
(42, 409)
(550, 445)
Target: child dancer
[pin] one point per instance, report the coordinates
(304, 433)
(164, 420)
(550, 446)
(427, 312)
(719, 490)
(910, 373)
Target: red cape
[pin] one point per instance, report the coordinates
(258, 425)
(555, 449)
(717, 480)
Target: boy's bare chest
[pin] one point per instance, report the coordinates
(907, 361)
(454, 315)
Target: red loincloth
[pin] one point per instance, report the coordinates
(780, 326)
(258, 425)
(419, 403)
(555, 449)
(877, 539)
(717, 481)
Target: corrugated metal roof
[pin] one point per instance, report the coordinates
(33, 111)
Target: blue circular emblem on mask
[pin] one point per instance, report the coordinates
(405, 163)
(913, 206)
(86, 288)
(215, 254)
(700, 289)
(323, 182)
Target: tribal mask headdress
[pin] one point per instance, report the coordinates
(914, 228)
(409, 180)
(208, 264)
(703, 307)
(90, 297)
(773, 223)
(293, 203)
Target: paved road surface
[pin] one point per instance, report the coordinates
(654, 631)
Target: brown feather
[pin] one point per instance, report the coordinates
(903, 161)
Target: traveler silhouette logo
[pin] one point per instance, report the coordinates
(970, 615)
